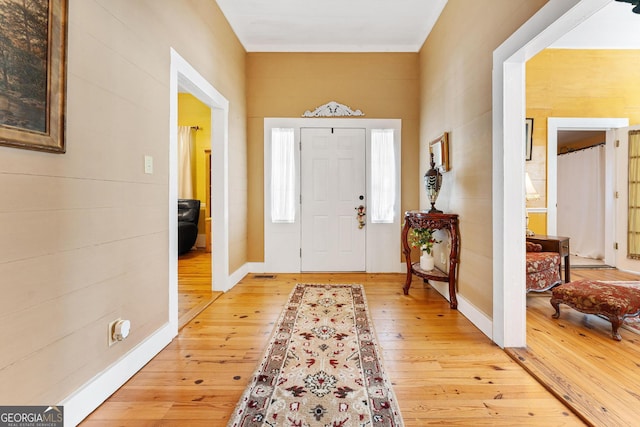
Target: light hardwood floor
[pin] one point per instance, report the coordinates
(194, 285)
(577, 360)
(443, 369)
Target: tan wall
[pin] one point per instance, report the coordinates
(577, 83)
(192, 112)
(84, 235)
(382, 85)
(455, 74)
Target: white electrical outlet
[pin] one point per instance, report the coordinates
(119, 330)
(112, 327)
(443, 258)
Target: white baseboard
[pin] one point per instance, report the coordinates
(468, 310)
(256, 267)
(237, 275)
(475, 316)
(91, 395)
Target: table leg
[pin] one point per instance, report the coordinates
(453, 301)
(407, 284)
(567, 268)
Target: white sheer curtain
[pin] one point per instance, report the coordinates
(186, 140)
(383, 176)
(283, 188)
(581, 201)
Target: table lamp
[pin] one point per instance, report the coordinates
(433, 183)
(530, 194)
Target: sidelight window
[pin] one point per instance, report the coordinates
(383, 176)
(282, 175)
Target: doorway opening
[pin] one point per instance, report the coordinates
(580, 132)
(551, 22)
(581, 194)
(185, 79)
(194, 264)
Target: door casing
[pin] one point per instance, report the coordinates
(282, 241)
(554, 124)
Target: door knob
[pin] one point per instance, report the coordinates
(360, 214)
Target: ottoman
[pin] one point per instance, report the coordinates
(615, 302)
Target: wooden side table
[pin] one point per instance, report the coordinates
(436, 221)
(557, 244)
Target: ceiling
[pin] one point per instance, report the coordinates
(571, 137)
(388, 25)
(332, 25)
(614, 26)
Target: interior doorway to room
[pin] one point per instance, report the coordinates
(185, 79)
(583, 134)
(333, 189)
(194, 183)
(552, 21)
(581, 176)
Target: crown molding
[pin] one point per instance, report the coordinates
(332, 109)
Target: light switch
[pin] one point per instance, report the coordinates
(148, 164)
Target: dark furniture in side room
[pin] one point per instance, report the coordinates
(188, 216)
(557, 244)
(542, 268)
(435, 221)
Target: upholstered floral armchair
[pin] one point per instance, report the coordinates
(543, 268)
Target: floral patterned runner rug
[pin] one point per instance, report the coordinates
(322, 366)
(630, 323)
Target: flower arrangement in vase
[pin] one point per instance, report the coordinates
(422, 238)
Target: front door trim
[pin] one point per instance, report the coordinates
(282, 241)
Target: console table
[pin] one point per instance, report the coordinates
(435, 221)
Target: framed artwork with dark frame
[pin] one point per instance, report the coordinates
(33, 37)
(440, 149)
(529, 138)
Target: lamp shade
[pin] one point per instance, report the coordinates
(531, 192)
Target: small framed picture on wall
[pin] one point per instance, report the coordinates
(440, 149)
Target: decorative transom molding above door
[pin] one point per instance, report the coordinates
(332, 109)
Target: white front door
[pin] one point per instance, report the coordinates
(332, 187)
